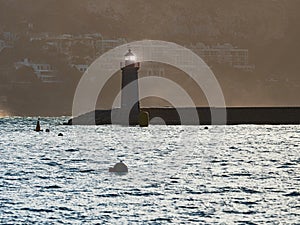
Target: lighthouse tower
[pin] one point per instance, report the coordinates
(130, 106)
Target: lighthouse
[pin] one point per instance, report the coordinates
(130, 105)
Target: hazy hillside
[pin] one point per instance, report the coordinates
(259, 25)
(255, 21)
(270, 29)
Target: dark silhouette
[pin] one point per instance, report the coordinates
(235, 115)
(38, 126)
(119, 168)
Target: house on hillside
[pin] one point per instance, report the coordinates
(81, 67)
(3, 45)
(44, 71)
(224, 54)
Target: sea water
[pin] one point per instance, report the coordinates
(245, 174)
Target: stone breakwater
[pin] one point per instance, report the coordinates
(170, 116)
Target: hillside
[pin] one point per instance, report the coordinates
(269, 29)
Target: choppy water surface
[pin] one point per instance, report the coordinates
(177, 174)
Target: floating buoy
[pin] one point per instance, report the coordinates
(60, 134)
(120, 167)
(47, 130)
(205, 128)
(144, 119)
(38, 126)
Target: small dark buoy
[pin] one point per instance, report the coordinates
(119, 168)
(144, 119)
(47, 130)
(38, 126)
(205, 128)
(60, 134)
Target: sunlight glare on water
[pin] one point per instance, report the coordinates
(177, 174)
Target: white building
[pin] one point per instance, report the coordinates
(2, 45)
(81, 67)
(45, 72)
(104, 45)
(226, 53)
(10, 37)
(64, 42)
(152, 70)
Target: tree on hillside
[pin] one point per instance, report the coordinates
(26, 75)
